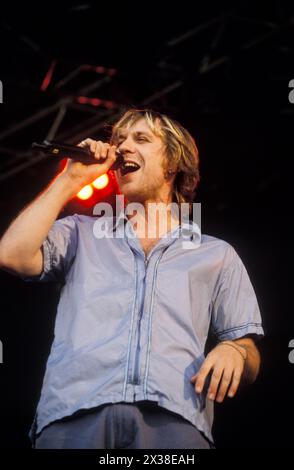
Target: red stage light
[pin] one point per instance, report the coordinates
(101, 182)
(86, 192)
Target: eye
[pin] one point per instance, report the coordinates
(142, 139)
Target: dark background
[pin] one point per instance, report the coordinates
(223, 71)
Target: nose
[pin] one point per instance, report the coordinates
(127, 146)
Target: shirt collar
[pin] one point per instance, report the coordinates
(190, 230)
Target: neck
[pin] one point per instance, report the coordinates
(154, 219)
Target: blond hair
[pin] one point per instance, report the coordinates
(182, 158)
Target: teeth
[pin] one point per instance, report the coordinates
(129, 167)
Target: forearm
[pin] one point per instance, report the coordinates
(25, 235)
(252, 363)
(20, 247)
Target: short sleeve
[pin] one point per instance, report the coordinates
(235, 310)
(59, 250)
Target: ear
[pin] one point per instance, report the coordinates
(169, 173)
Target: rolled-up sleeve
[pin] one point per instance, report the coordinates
(59, 250)
(235, 309)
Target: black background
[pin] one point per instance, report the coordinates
(240, 115)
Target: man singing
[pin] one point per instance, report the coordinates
(127, 367)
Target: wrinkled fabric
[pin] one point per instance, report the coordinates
(140, 425)
(130, 327)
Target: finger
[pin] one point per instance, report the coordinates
(201, 376)
(111, 154)
(224, 384)
(193, 378)
(85, 143)
(104, 166)
(214, 382)
(97, 149)
(235, 383)
(104, 150)
(112, 151)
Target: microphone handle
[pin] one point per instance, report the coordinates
(62, 150)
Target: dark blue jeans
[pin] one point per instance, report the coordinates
(141, 425)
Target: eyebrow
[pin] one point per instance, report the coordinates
(136, 134)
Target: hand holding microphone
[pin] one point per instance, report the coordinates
(99, 150)
(86, 161)
(102, 153)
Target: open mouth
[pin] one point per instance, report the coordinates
(129, 167)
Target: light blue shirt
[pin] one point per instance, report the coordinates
(131, 328)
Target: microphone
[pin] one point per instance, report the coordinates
(84, 155)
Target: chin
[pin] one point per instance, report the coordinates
(132, 195)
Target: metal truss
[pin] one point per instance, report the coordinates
(170, 75)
